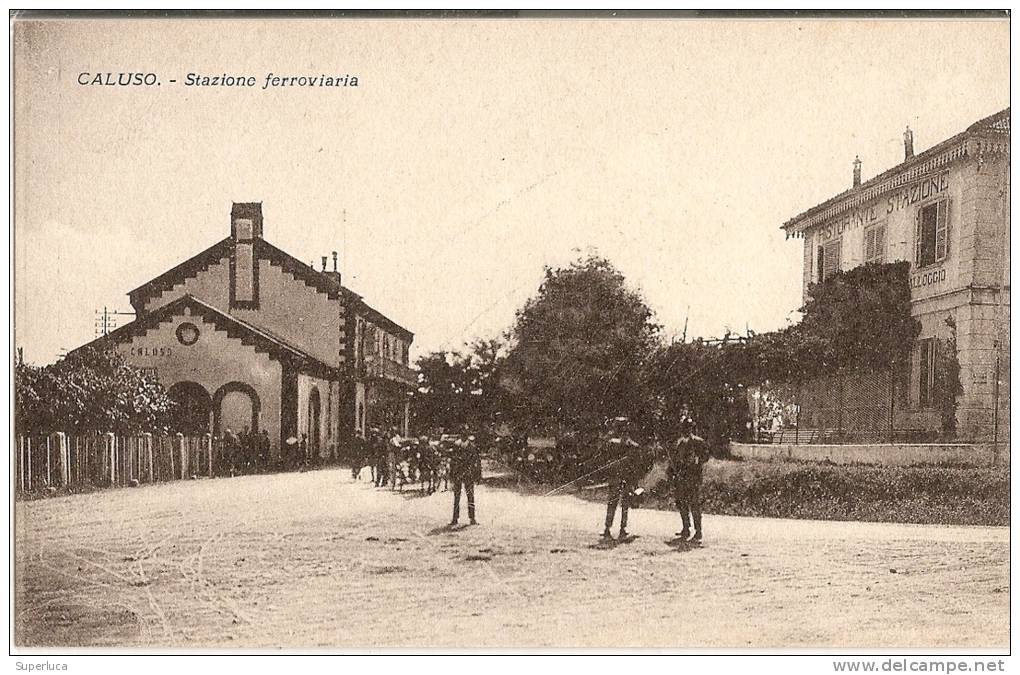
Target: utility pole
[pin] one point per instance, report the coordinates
(106, 320)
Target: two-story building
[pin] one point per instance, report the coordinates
(246, 336)
(946, 211)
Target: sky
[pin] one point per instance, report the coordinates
(470, 155)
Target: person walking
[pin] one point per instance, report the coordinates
(687, 462)
(465, 471)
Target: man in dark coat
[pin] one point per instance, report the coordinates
(624, 461)
(359, 454)
(228, 451)
(465, 471)
(687, 462)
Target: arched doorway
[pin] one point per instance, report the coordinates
(194, 405)
(314, 417)
(236, 406)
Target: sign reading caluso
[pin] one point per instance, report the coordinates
(151, 351)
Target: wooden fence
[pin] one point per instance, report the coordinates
(107, 460)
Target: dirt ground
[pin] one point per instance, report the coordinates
(315, 560)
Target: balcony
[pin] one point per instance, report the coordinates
(386, 369)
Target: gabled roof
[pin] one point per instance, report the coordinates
(323, 283)
(376, 317)
(961, 145)
(259, 338)
(177, 274)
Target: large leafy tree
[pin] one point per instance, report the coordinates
(580, 345)
(92, 390)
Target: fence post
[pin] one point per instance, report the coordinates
(209, 449)
(21, 463)
(49, 472)
(840, 380)
(182, 452)
(28, 461)
(110, 452)
(892, 403)
(796, 403)
(59, 439)
(147, 443)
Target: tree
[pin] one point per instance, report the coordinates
(91, 390)
(457, 388)
(580, 345)
(859, 318)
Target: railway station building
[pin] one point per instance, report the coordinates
(246, 336)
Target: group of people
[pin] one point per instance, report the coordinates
(455, 459)
(244, 452)
(429, 460)
(628, 462)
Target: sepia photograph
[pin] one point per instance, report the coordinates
(490, 332)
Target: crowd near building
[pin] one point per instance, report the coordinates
(247, 337)
(946, 211)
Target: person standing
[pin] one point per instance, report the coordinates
(621, 454)
(465, 471)
(264, 449)
(359, 455)
(392, 452)
(303, 451)
(687, 463)
(378, 447)
(229, 453)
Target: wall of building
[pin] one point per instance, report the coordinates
(213, 361)
(897, 212)
(288, 308)
(328, 411)
(963, 288)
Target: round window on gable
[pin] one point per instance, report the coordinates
(187, 334)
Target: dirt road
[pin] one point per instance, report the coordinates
(315, 560)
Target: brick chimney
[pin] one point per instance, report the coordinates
(247, 215)
(857, 171)
(245, 228)
(335, 274)
(908, 144)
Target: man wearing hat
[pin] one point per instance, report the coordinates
(687, 462)
(465, 471)
(621, 454)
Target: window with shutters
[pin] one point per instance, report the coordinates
(931, 242)
(829, 257)
(874, 244)
(926, 375)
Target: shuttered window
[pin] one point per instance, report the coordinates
(830, 259)
(874, 244)
(931, 242)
